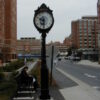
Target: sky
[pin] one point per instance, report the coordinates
(64, 12)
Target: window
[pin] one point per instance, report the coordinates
(80, 42)
(85, 40)
(80, 30)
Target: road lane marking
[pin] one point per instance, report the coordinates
(91, 91)
(90, 76)
(96, 87)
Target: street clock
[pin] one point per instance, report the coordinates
(43, 19)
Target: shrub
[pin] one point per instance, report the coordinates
(36, 71)
(2, 76)
(13, 66)
(8, 89)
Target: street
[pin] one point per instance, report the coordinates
(87, 74)
(77, 82)
(74, 82)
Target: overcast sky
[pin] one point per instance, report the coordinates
(64, 12)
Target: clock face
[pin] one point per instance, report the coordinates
(43, 20)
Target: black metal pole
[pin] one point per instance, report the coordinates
(51, 64)
(44, 72)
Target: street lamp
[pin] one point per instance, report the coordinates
(43, 21)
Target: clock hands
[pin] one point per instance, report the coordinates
(43, 21)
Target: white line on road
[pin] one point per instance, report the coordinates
(90, 76)
(96, 87)
(91, 92)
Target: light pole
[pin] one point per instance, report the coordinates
(52, 58)
(43, 21)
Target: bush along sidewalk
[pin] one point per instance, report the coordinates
(12, 66)
(36, 72)
(8, 85)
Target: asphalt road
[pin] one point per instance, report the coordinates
(87, 74)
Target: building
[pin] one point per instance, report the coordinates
(8, 29)
(1, 23)
(1, 28)
(68, 41)
(85, 35)
(98, 14)
(60, 47)
(74, 33)
(28, 45)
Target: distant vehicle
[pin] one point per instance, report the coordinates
(63, 53)
(59, 58)
(66, 58)
(77, 58)
(71, 57)
(74, 58)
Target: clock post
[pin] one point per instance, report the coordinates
(43, 21)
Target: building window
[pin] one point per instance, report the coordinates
(80, 45)
(80, 30)
(85, 40)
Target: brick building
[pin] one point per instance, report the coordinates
(85, 36)
(98, 14)
(98, 11)
(60, 47)
(1, 27)
(74, 33)
(8, 29)
(84, 33)
(68, 41)
(28, 45)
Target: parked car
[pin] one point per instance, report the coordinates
(77, 58)
(74, 58)
(66, 58)
(71, 57)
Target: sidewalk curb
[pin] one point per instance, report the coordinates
(89, 63)
(83, 87)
